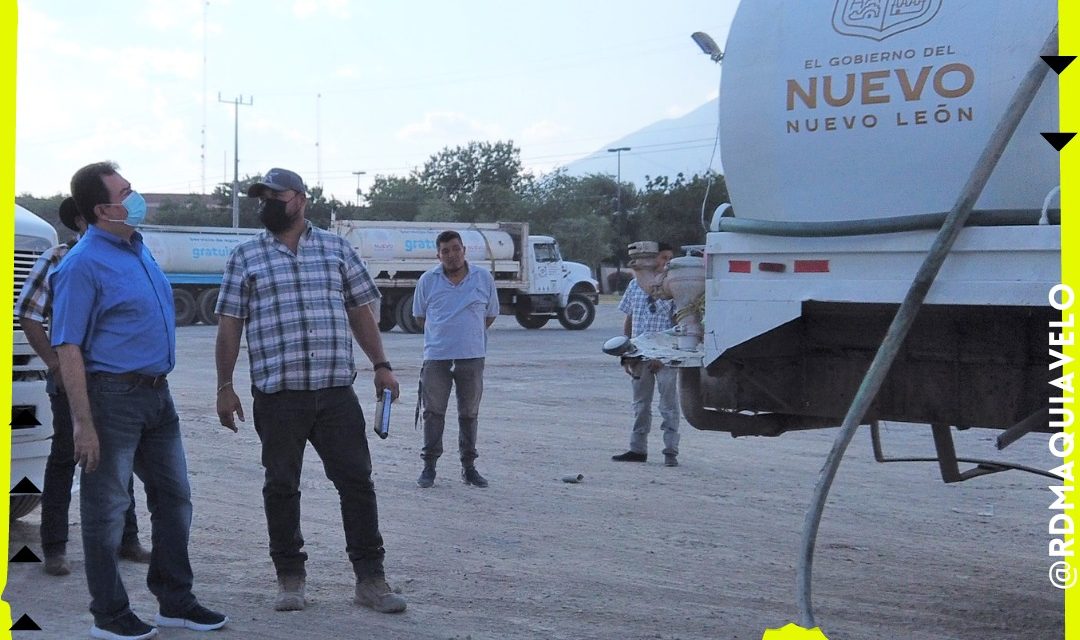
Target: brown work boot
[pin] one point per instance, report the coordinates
(374, 593)
(135, 552)
(57, 565)
(290, 595)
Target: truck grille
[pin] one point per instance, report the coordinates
(24, 417)
(24, 261)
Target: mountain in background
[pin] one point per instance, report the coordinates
(665, 148)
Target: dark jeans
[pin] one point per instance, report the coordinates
(59, 472)
(436, 378)
(334, 423)
(139, 430)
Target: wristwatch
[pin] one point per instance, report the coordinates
(382, 365)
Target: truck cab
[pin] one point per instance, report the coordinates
(31, 413)
(557, 288)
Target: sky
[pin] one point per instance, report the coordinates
(341, 86)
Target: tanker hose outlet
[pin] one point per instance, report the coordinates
(683, 280)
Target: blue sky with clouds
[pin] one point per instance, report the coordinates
(340, 86)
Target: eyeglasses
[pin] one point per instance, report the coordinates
(652, 305)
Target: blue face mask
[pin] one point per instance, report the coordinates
(135, 206)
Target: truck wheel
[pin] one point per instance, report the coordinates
(387, 311)
(185, 307)
(205, 304)
(405, 318)
(578, 313)
(22, 504)
(530, 321)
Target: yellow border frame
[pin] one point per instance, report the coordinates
(1069, 20)
(9, 21)
(1069, 83)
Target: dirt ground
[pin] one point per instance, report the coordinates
(704, 550)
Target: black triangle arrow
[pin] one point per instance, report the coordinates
(25, 623)
(25, 486)
(1058, 63)
(24, 418)
(1058, 140)
(25, 555)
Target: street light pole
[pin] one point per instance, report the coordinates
(358, 174)
(618, 178)
(239, 100)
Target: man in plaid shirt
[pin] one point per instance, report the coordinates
(33, 308)
(303, 294)
(645, 314)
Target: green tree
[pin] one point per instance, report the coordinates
(482, 181)
(437, 209)
(671, 210)
(47, 209)
(395, 198)
(319, 207)
(585, 238)
(558, 199)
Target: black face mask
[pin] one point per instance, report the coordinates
(273, 216)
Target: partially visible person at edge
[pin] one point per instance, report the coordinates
(33, 309)
(303, 294)
(455, 303)
(115, 335)
(645, 314)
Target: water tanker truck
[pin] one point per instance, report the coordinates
(891, 250)
(534, 283)
(849, 136)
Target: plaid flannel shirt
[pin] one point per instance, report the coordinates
(294, 308)
(647, 314)
(35, 299)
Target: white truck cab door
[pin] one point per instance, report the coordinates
(546, 267)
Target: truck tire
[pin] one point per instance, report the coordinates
(24, 503)
(578, 313)
(185, 307)
(387, 313)
(405, 318)
(204, 306)
(530, 321)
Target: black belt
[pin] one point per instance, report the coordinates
(139, 379)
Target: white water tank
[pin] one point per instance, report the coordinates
(195, 250)
(389, 243)
(847, 109)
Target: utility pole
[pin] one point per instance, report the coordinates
(202, 154)
(618, 178)
(358, 174)
(318, 139)
(239, 100)
(618, 197)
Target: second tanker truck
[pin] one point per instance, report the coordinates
(535, 284)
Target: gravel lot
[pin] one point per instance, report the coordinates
(705, 550)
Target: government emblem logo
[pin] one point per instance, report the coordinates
(880, 19)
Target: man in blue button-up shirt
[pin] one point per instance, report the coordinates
(115, 335)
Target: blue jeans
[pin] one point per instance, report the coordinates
(59, 471)
(138, 429)
(334, 423)
(436, 378)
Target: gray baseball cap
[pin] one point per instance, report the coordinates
(277, 180)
